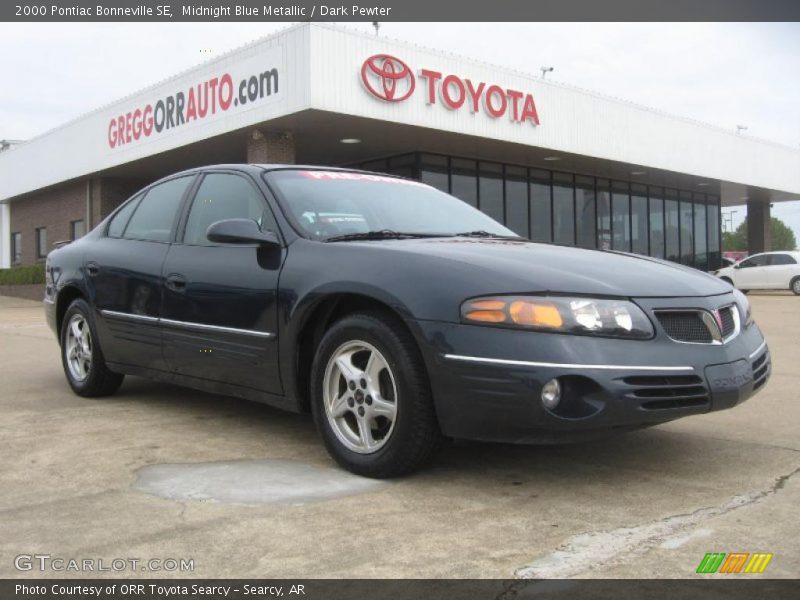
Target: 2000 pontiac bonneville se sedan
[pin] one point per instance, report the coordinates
(397, 314)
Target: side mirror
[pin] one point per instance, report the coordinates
(240, 231)
(737, 266)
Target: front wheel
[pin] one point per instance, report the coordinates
(371, 398)
(81, 356)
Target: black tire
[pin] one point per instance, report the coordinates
(99, 380)
(415, 436)
(794, 285)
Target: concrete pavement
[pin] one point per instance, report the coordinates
(646, 504)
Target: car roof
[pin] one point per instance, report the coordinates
(263, 167)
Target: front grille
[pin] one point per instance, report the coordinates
(665, 392)
(728, 321)
(685, 326)
(760, 370)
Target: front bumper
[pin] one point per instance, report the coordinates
(487, 381)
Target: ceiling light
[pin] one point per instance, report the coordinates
(552, 158)
(350, 141)
(703, 184)
(638, 172)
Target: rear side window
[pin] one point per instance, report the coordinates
(225, 196)
(120, 220)
(782, 259)
(152, 221)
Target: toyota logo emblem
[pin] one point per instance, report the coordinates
(387, 78)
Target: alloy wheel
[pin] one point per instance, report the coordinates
(360, 397)
(78, 347)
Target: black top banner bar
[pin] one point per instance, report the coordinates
(399, 10)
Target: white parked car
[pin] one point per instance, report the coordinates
(766, 271)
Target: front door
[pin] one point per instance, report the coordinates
(752, 273)
(219, 316)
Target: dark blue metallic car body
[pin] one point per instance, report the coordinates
(245, 320)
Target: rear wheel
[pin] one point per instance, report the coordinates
(371, 398)
(795, 286)
(81, 356)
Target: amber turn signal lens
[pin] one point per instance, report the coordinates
(487, 305)
(535, 314)
(486, 316)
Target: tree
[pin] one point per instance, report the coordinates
(782, 237)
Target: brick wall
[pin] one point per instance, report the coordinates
(270, 147)
(54, 209)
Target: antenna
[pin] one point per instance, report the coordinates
(377, 26)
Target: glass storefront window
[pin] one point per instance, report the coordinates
(563, 210)
(620, 218)
(603, 215)
(572, 209)
(517, 200)
(585, 218)
(540, 211)
(656, 223)
(640, 226)
(672, 224)
(490, 190)
(714, 254)
(434, 171)
(700, 248)
(687, 229)
(464, 180)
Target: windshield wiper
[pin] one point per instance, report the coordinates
(480, 233)
(382, 234)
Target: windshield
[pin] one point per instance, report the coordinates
(330, 204)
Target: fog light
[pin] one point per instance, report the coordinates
(551, 394)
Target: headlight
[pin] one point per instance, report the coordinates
(744, 307)
(614, 318)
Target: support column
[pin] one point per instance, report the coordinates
(759, 232)
(270, 147)
(5, 236)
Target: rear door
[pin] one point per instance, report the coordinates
(123, 274)
(753, 273)
(219, 318)
(783, 268)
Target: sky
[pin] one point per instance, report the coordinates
(725, 74)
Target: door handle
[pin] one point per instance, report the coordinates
(176, 283)
(92, 268)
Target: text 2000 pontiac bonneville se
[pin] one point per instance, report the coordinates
(395, 313)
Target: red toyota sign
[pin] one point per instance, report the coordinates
(387, 78)
(390, 79)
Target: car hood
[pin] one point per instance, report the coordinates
(511, 266)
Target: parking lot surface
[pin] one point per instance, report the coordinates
(244, 490)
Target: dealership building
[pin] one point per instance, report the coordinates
(553, 162)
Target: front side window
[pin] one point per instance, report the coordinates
(759, 260)
(41, 242)
(153, 218)
(332, 203)
(16, 248)
(224, 196)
